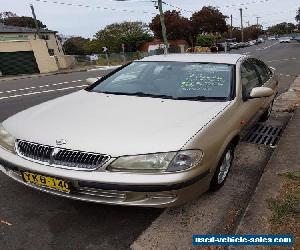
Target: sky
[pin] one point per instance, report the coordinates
(71, 20)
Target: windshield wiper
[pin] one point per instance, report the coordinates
(201, 98)
(140, 94)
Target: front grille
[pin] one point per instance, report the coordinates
(34, 151)
(60, 156)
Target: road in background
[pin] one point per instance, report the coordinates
(17, 95)
(284, 57)
(40, 221)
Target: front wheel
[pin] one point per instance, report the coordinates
(223, 169)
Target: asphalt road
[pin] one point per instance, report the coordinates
(33, 220)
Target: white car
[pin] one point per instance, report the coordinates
(285, 39)
(260, 40)
(252, 42)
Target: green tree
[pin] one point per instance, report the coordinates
(5, 15)
(22, 21)
(75, 46)
(205, 40)
(131, 34)
(250, 33)
(93, 46)
(282, 28)
(178, 27)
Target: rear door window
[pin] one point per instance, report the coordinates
(263, 70)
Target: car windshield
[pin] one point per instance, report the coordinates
(174, 80)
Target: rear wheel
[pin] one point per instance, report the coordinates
(223, 169)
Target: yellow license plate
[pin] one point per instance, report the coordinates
(46, 181)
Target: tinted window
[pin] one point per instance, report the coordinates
(262, 70)
(171, 79)
(249, 77)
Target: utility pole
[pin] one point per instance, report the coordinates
(248, 23)
(163, 26)
(242, 27)
(35, 21)
(257, 18)
(230, 26)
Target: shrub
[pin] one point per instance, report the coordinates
(205, 40)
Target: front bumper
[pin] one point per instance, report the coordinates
(131, 189)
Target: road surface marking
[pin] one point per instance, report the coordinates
(287, 75)
(268, 46)
(279, 60)
(41, 92)
(41, 86)
(103, 68)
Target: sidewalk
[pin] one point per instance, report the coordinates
(64, 71)
(274, 207)
(290, 100)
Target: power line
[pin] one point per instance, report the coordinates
(226, 6)
(173, 6)
(247, 3)
(153, 1)
(96, 7)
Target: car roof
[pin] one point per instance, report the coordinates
(189, 57)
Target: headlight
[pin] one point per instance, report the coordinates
(6, 140)
(160, 162)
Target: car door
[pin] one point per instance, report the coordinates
(252, 108)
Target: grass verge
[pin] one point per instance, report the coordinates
(286, 208)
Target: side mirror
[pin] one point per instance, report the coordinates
(92, 80)
(261, 92)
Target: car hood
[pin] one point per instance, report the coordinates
(113, 124)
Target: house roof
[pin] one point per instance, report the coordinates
(16, 29)
(205, 58)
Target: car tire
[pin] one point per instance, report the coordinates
(223, 168)
(266, 115)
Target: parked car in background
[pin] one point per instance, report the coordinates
(260, 40)
(157, 132)
(241, 45)
(285, 39)
(297, 38)
(252, 42)
(272, 38)
(93, 57)
(247, 44)
(234, 45)
(222, 46)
